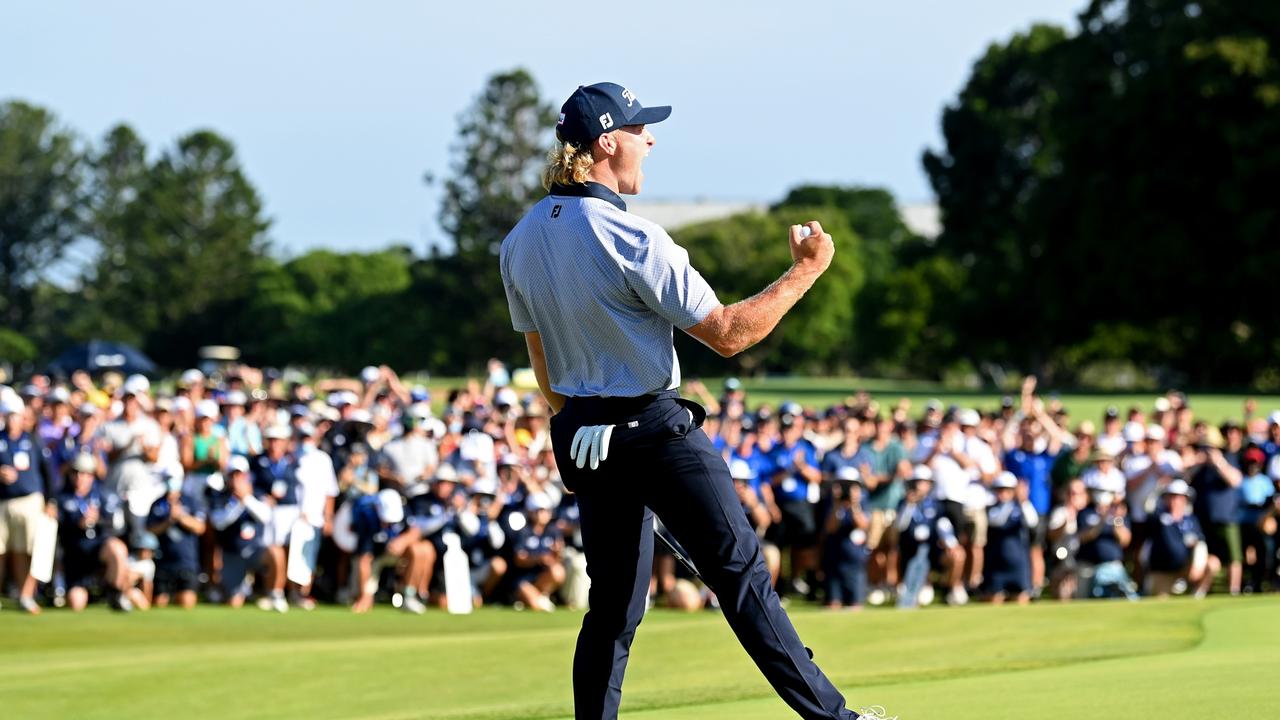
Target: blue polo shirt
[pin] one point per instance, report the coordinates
(534, 543)
(485, 543)
(372, 535)
(791, 486)
(275, 478)
(1172, 541)
(243, 534)
(848, 544)
(26, 456)
(759, 463)
(1033, 469)
(1255, 492)
(1008, 538)
(835, 459)
(1217, 502)
(1106, 546)
(924, 525)
(179, 548)
(604, 289)
(433, 517)
(71, 510)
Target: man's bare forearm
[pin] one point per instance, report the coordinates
(731, 329)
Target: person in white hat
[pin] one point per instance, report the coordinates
(384, 534)
(408, 462)
(133, 446)
(275, 482)
(244, 437)
(537, 570)
(204, 451)
(1011, 519)
(483, 538)
(179, 520)
(90, 526)
(926, 537)
(26, 492)
(1176, 553)
(240, 520)
(845, 554)
(973, 534)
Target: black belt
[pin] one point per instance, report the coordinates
(617, 406)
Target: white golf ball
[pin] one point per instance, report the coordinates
(805, 231)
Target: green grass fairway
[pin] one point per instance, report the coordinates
(1103, 659)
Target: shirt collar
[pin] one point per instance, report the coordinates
(590, 189)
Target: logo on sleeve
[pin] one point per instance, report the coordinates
(555, 212)
(606, 121)
(561, 120)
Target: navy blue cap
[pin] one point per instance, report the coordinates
(593, 110)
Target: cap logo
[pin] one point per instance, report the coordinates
(629, 96)
(606, 121)
(561, 120)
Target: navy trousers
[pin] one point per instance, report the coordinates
(661, 462)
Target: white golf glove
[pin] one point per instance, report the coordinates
(591, 443)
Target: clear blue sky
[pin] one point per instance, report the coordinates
(338, 109)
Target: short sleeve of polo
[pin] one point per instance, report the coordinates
(521, 318)
(663, 278)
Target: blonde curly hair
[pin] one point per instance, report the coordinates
(567, 164)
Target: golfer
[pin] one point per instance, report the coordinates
(597, 292)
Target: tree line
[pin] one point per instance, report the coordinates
(1108, 198)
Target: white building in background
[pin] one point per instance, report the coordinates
(922, 218)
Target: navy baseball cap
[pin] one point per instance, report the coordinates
(593, 110)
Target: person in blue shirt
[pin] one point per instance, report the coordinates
(383, 533)
(244, 436)
(436, 512)
(797, 488)
(761, 469)
(27, 491)
(1217, 504)
(90, 524)
(538, 549)
(926, 539)
(1011, 521)
(1256, 491)
(848, 454)
(1176, 548)
(1032, 463)
(239, 520)
(1103, 532)
(746, 482)
(483, 539)
(845, 551)
(275, 482)
(178, 521)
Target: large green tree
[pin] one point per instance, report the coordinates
(502, 141)
(178, 243)
(1110, 194)
(42, 181)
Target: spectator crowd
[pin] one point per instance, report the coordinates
(239, 486)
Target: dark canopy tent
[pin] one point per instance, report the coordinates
(97, 356)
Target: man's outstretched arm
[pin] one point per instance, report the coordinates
(731, 329)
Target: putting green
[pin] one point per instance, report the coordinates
(1101, 659)
(1223, 676)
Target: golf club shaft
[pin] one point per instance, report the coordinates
(677, 552)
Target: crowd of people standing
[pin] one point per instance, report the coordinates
(240, 486)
